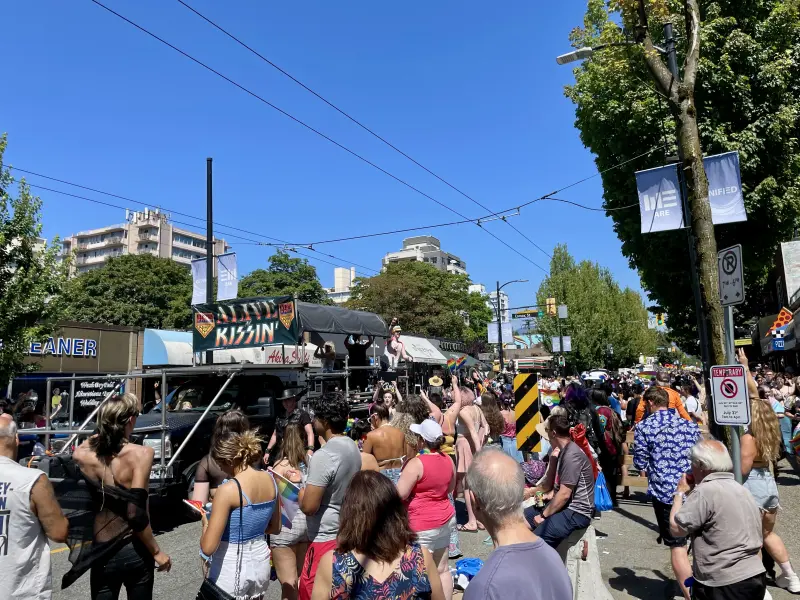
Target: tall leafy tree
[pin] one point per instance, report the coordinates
(31, 276)
(138, 290)
(427, 301)
(284, 276)
(746, 97)
(607, 324)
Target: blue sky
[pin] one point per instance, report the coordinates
(469, 89)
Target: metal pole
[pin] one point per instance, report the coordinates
(71, 402)
(347, 377)
(499, 329)
(209, 245)
(91, 416)
(200, 420)
(702, 331)
(47, 412)
(163, 419)
(730, 357)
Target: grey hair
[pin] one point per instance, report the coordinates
(500, 491)
(8, 429)
(559, 410)
(711, 455)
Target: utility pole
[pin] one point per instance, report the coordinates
(209, 245)
(499, 328)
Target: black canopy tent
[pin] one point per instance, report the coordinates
(316, 318)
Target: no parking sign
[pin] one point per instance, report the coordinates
(730, 396)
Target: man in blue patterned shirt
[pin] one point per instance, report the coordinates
(661, 448)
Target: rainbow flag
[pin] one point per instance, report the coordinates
(460, 362)
(290, 499)
(451, 364)
(549, 398)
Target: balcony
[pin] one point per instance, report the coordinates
(93, 260)
(148, 235)
(186, 243)
(152, 251)
(116, 240)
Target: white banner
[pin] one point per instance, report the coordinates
(198, 281)
(227, 277)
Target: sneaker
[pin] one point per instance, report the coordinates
(767, 595)
(788, 582)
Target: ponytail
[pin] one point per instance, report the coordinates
(112, 420)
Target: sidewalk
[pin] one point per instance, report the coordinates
(635, 566)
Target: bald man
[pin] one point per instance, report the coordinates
(725, 524)
(29, 515)
(522, 566)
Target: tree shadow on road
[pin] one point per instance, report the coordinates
(638, 586)
(636, 518)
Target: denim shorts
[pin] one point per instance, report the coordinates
(761, 485)
(392, 474)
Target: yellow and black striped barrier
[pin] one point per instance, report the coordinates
(528, 412)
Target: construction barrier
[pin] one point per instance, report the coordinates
(528, 412)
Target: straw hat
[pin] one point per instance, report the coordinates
(541, 428)
(435, 381)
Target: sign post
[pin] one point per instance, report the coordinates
(731, 406)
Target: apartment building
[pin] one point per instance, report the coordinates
(145, 232)
(343, 280)
(426, 248)
(491, 301)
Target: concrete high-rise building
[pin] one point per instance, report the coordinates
(426, 248)
(146, 232)
(343, 280)
(491, 302)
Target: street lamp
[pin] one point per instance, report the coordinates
(499, 323)
(586, 51)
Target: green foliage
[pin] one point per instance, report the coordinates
(31, 277)
(138, 290)
(428, 302)
(284, 276)
(747, 98)
(599, 314)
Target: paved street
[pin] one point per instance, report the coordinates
(633, 565)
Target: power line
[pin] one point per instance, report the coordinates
(353, 119)
(310, 128)
(282, 244)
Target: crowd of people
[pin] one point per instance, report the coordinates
(377, 496)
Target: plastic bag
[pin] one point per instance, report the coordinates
(602, 499)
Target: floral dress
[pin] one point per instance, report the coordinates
(410, 580)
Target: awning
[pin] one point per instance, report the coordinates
(421, 350)
(164, 348)
(469, 362)
(335, 319)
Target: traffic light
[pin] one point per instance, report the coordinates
(552, 311)
(660, 319)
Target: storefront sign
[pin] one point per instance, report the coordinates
(65, 347)
(89, 395)
(245, 323)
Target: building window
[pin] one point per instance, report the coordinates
(435, 260)
(188, 241)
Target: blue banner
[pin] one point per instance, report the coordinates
(198, 281)
(660, 198)
(227, 277)
(725, 188)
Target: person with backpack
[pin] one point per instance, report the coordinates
(580, 411)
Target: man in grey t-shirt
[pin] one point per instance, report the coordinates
(573, 502)
(329, 473)
(522, 567)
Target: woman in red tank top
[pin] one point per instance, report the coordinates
(425, 484)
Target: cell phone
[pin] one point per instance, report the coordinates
(418, 388)
(196, 506)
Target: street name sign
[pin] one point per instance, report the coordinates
(731, 276)
(730, 396)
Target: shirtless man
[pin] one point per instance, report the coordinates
(386, 443)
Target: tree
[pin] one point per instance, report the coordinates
(285, 276)
(138, 290)
(740, 95)
(31, 276)
(607, 325)
(428, 302)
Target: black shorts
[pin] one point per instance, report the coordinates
(662, 518)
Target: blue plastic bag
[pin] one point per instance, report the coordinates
(469, 566)
(602, 499)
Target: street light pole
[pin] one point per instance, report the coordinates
(499, 319)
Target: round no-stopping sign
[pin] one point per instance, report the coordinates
(729, 388)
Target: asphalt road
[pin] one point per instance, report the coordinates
(633, 565)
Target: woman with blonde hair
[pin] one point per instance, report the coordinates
(118, 543)
(760, 449)
(290, 545)
(244, 509)
(472, 429)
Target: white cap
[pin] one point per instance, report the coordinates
(428, 429)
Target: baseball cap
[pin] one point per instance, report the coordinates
(428, 429)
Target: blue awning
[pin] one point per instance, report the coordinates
(164, 348)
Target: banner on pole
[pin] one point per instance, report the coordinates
(508, 333)
(245, 323)
(198, 281)
(660, 197)
(227, 277)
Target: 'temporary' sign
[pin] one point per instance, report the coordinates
(245, 323)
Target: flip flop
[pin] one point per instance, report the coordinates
(466, 529)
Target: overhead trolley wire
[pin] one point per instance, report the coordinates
(354, 120)
(310, 128)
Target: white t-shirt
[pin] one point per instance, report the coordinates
(692, 405)
(332, 467)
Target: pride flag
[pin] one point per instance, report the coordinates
(549, 398)
(451, 364)
(454, 364)
(460, 362)
(290, 499)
